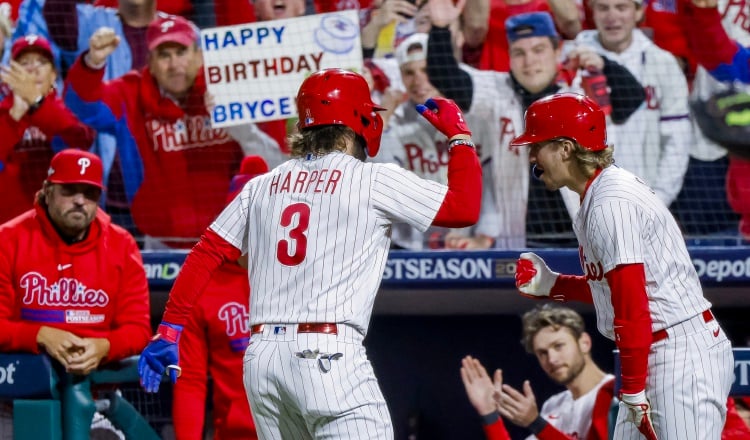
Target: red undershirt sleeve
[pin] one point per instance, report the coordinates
(572, 288)
(461, 204)
(496, 431)
(205, 257)
(633, 334)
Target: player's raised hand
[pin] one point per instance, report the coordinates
(444, 115)
(160, 355)
(639, 412)
(101, 44)
(479, 386)
(533, 277)
(519, 408)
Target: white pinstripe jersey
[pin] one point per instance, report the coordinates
(571, 416)
(317, 234)
(622, 221)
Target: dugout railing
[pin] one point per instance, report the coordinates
(43, 395)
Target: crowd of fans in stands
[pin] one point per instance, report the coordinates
(125, 81)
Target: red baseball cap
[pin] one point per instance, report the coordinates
(171, 29)
(252, 166)
(31, 42)
(75, 166)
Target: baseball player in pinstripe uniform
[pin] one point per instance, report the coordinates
(316, 231)
(676, 362)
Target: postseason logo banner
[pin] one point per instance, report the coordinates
(253, 71)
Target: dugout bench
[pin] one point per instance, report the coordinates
(43, 395)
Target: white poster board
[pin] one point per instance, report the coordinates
(253, 71)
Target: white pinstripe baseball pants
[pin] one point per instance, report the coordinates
(690, 374)
(294, 398)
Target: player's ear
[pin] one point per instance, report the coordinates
(584, 343)
(568, 148)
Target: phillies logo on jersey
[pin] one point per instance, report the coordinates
(737, 12)
(426, 162)
(65, 292)
(508, 133)
(185, 133)
(593, 269)
(235, 317)
(33, 134)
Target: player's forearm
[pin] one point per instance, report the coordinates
(210, 253)
(572, 288)
(633, 333)
(462, 202)
(188, 410)
(494, 428)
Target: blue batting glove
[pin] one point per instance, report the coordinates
(160, 355)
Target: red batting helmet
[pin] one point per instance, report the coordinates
(340, 97)
(565, 115)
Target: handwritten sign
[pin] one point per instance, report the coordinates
(254, 70)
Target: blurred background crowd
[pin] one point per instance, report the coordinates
(95, 76)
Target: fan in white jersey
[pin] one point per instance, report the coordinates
(557, 337)
(676, 362)
(523, 206)
(413, 143)
(654, 142)
(316, 231)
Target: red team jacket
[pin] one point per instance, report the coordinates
(26, 149)
(174, 164)
(94, 288)
(213, 343)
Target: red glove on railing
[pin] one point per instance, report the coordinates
(444, 115)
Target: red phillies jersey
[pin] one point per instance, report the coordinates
(212, 343)
(93, 288)
(176, 167)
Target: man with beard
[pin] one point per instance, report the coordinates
(558, 338)
(72, 284)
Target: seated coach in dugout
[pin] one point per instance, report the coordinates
(173, 162)
(72, 284)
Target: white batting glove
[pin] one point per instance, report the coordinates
(639, 412)
(533, 277)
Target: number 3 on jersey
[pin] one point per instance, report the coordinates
(296, 233)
